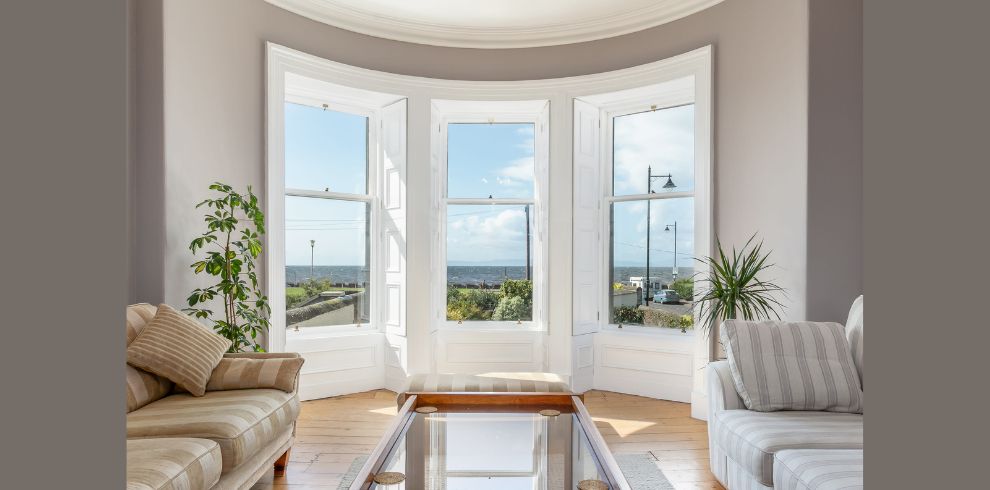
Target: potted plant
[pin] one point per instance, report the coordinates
(232, 242)
(733, 289)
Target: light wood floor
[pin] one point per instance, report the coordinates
(333, 431)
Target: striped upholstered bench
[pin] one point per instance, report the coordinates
(487, 382)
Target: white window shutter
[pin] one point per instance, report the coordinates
(394, 216)
(540, 215)
(587, 252)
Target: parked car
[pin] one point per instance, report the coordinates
(666, 296)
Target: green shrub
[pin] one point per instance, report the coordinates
(684, 288)
(464, 311)
(470, 304)
(486, 299)
(513, 308)
(627, 314)
(315, 286)
(517, 288)
(661, 318)
(294, 296)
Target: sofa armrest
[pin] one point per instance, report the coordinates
(722, 393)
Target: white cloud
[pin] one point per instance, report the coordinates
(662, 139)
(520, 169)
(484, 180)
(482, 235)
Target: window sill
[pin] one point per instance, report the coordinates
(312, 333)
(651, 331)
(487, 326)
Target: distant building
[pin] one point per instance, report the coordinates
(640, 282)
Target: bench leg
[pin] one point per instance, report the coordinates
(281, 462)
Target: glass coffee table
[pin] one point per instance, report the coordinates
(491, 441)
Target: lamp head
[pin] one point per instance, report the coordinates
(670, 183)
(666, 228)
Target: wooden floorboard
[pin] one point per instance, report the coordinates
(332, 432)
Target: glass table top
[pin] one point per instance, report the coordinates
(492, 451)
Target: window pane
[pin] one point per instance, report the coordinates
(325, 150)
(487, 250)
(657, 143)
(327, 259)
(669, 220)
(490, 160)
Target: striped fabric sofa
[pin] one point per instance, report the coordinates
(222, 440)
(792, 450)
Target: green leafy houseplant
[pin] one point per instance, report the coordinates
(234, 225)
(733, 289)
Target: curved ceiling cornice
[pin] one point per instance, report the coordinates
(492, 24)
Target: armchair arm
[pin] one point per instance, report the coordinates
(722, 393)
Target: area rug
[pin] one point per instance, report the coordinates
(356, 465)
(639, 469)
(641, 472)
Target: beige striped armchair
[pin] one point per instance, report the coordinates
(227, 439)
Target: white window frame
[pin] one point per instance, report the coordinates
(654, 100)
(371, 198)
(491, 112)
(314, 92)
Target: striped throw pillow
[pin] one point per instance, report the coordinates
(239, 373)
(179, 348)
(144, 387)
(792, 366)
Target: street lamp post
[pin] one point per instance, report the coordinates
(649, 190)
(667, 228)
(312, 254)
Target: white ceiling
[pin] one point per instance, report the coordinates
(494, 23)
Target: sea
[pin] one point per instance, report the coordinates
(465, 275)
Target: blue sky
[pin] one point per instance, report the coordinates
(327, 149)
(488, 160)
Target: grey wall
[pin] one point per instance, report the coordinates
(835, 158)
(213, 92)
(146, 151)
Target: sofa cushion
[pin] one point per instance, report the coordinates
(854, 334)
(172, 464)
(179, 348)
(142, 387)
(752, 438)
(240, 421)
(818, 469)
(792, 366)
(521, 382)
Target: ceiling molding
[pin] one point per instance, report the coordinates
(342, 14)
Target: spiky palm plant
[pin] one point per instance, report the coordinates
(733, 289)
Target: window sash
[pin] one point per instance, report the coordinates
(442, 201)
(607, 158)
(376, 284)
